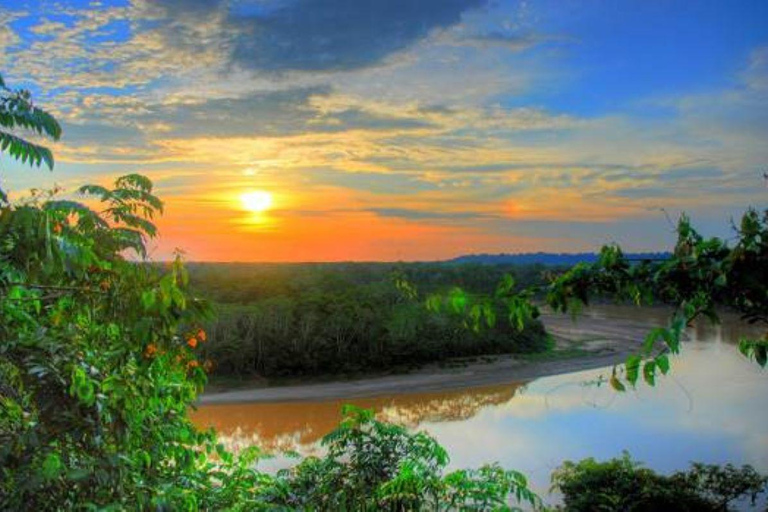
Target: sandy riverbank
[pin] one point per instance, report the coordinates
(602, 337)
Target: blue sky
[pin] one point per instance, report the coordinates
(399, 129)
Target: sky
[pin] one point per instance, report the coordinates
(402, 129)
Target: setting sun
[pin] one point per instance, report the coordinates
(257, 201)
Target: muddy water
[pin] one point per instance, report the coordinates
(713, 407)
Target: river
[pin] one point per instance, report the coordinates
(712, 407)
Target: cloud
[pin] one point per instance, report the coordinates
(359, 118)
(377, 183)
(194, 9)
(8, 36)
(410, 214)
(316, 35)
(756, 76)
(644, 192)
(257, 114)
(692, 173)
(512, 42)
(127, 121)
(107, 135)
(308, 35)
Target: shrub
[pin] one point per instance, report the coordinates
(372, 465)
(622, 484)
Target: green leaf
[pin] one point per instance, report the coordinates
(649, 373)
(761, 354)
(434, 302)
(78, 474)
(651, 337)
(662, 361)
(51, 466)
(25, 151)
(506, 286)
(633, 368)
(458, 300)
(148, 299)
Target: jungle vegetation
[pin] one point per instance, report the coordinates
(623, 484)
(312, 319)
(100, 362)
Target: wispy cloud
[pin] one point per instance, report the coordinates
(393, 122)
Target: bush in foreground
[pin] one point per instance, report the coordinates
(372, 465)
(622, 484)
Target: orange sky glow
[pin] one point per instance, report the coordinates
(438, 129)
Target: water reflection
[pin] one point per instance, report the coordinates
(713, 407)
(298, 425)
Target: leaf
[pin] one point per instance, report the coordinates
(87, 218)
(51, 466)
(650, 339)
(616, 384)
(672, 339)
(633, 368)
(506, 286)
(95, 190)
(78, 474)
(649, 373)
(434, 302)
(24, 151)
(458, 300)
(761, 354)
(490, 314)
(745, 347)
(662, 361)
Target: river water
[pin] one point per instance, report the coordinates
(712, 407)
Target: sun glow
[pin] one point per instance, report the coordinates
(256, 201)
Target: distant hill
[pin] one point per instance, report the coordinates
(546, 258)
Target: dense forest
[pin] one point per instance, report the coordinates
(550, 259)
(242, 283)
(310, 319)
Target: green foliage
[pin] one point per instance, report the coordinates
(622, 484)
(95, 382)
(328, 323)
(18, 113)
(377, 466)
(721, 485)
(702, 276)
(246, 283)
(755, 349)
(482, 311)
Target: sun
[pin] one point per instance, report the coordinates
(256, 201)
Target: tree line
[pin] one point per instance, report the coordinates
(292, 320)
